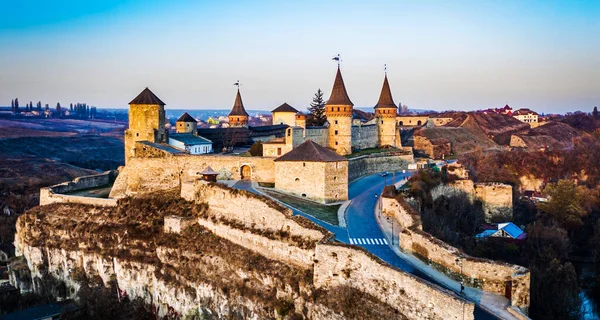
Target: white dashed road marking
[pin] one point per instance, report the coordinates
(369, 241)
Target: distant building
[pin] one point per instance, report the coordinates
(503, 230)
(191, 143)
(527, 116)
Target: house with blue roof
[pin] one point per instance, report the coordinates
(191, 143)
(503, 230)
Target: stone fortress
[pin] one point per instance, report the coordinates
(311, 163)
(301, 160)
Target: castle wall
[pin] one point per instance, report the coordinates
(387, 131)
(152, 174)
(491, 276)
(378, 162)
(438, 122)
(364, 137)
(317, 135)
(337, 264)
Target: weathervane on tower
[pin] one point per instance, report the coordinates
(385, 68)
(237, 84)
(338, 59)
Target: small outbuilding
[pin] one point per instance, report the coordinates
(503, 230)
(186, 124)
(209, 174)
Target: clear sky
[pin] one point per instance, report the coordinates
(460, 55)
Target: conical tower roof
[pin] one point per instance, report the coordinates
(339, 96)
(385, 98)
(238, 106)
(185, 117)
(147, 97)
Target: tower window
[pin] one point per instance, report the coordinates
(338, 108)
(137, 134)
(336, 132)
(304, 164)
(336, 143)
(335, 121)
(381, 121)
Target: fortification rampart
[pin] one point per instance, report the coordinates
(59, 193)
(249, 220)
(497, 198)
(364, 136)
(338, 264)
(504, 279)
(152, 174)
(378, 162)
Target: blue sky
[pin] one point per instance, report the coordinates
(460, 55)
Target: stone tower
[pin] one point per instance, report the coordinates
(385, 113)
(146, 122)
(238, 117)
(186, 124)
(339, 115)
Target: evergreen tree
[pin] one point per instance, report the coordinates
(595, 112)
(12, 105)
(71, 107)
(39, 106)
(30, 106)
(17, 105)
(317, 110)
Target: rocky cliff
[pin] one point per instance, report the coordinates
(193, 272)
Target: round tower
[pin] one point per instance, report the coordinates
(238, 117)
(338, 110)
(385, 114)
(146, 122)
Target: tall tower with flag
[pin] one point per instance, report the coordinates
(339, 115)
(385, 114)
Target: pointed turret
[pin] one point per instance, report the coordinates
(385, 98)
(386, 112)
(238, 106)
(238, 117)
(339, 95)
(338, 110)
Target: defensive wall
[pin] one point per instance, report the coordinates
(364, 136)
(60, 193)
(152, 174)
(508, 280)
(433, 148)
(264, 226)
(378, 162)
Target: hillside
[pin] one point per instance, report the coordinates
(554, 134)
(583, 122)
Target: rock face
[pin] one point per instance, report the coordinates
(218, 259)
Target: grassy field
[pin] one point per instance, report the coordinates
(364, 152)
(327, 213)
